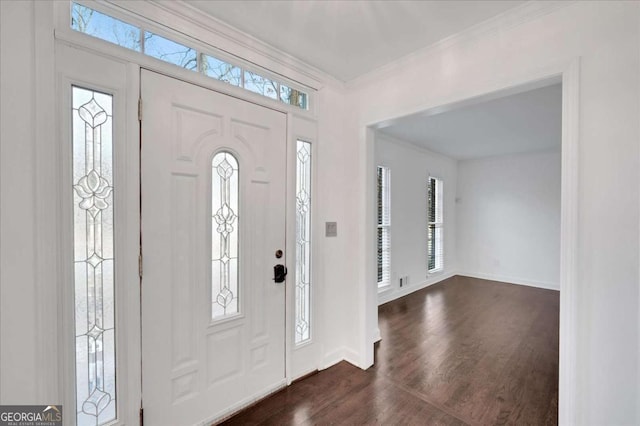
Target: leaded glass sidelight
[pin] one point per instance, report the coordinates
(224, 235)
(95, 363)
(303, 242)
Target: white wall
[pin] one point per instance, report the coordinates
(337, 197)
(508, 218)
(410, 167)
(604, 37)
(18, 316)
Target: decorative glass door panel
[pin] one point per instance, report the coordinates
(213, 217)
(93, 256)
(224, 235)
(303, 242)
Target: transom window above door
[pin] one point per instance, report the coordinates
(134, 37)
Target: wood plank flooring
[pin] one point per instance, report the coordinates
(463, 351)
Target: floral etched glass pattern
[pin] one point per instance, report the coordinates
(92, 147)
(303, 242)
(224, 236)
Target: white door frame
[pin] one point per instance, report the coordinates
(569, 74)
(126, 230)
(299, 360)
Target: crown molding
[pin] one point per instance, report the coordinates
(186, 19)
(512, 18)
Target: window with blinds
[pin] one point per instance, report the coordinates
(384, 227)
(435, 228)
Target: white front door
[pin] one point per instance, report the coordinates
(213, 216)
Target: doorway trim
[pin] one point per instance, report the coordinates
(568, 73)
(300, 124)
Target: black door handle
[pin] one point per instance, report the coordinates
(279, 273)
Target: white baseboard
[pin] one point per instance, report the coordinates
(376, 335)
(512, 280)
(352, 357)
(393, 294)
(341, 354)
(332, 358)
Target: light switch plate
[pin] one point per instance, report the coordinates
(331, 229)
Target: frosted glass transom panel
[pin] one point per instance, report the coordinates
(303, 243)
(92, 146)
(224, 236)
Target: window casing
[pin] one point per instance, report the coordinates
(134, 37)
(383, 236)
(435, 225)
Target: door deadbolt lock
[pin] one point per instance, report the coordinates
(279, 273)
(278, 254)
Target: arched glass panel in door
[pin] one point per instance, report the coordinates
(224, 235)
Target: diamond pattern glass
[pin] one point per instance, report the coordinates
(303, 243)
(224, 236)
(92, 147)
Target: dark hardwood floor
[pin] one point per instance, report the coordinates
(463, 351)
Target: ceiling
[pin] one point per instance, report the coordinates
(349, 38)
(518, 123)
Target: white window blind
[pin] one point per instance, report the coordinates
(435, 225)
(384, 227)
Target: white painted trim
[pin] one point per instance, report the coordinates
(376, 335)
(367, 291)
(91, 44)
(512, 280)
(569, 71)
(511, 18)
(124, 88)
(544, 77)
(332, 358)
(341, 354)
(47, 215)
(567, 414)
(352, 357)
(404, 291)
(186, 19)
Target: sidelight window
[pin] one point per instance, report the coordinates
(303, 242)
(93, 236)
